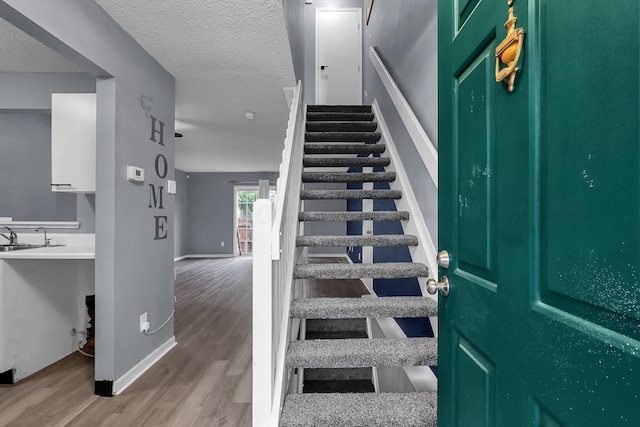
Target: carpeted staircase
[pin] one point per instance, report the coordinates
(331, 133)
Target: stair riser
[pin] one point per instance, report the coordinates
(341, 127)
(328, 374)
(348, 177)
(338, 386)
(349, 194)
(344, 148)
(339, 117)
(339, 108)
(346, 162)
(325, 325)
(342, 136)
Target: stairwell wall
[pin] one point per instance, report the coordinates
(404, 33)
(294, 17)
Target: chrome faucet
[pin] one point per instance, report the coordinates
(46, 241)
(12, 237)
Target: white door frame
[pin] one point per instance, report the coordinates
(317, 52)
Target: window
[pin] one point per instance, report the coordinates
(245, 197)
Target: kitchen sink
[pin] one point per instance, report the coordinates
(20, 246)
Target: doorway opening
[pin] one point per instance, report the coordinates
(244, 198)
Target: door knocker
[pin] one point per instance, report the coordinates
(508, 52)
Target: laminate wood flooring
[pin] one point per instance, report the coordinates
(204, 381)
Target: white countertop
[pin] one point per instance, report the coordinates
(76, 246)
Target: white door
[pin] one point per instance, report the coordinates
(338, 56)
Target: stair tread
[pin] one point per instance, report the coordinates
(339, 148)
(339, 108)
(354, 216)
(362, 353)
(345, 161)
(350, 194)
(348, 177)
(340, 308)
(358, 240)
(380, 270)
(342, 136)
(415, 409)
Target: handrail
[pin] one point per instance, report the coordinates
(274, 257)
(420, 139)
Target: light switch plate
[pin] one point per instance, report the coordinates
(171, 186)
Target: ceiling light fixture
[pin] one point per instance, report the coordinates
(249, 115)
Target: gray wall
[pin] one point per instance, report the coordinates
(25, 171)
(210, 210)
(405, 35)
(181, 214)
(25, 147)
(134, 272)
(32, 91)
(294, 17)
(310, 41)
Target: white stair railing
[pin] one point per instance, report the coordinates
(274, 256)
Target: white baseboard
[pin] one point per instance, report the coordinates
(205, 256)
(134, 373)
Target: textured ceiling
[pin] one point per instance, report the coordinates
(227, 56)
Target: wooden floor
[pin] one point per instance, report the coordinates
(204, 381)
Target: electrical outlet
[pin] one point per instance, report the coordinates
(144, 324)
(222, 244)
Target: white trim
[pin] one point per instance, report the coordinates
(205, 256)
(316, 73)
(425, 252)
(134, 373)
(423, 144)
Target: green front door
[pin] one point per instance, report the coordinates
(540, 212)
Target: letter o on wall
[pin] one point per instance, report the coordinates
(161, 166)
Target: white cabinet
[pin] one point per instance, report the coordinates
(73, 142)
